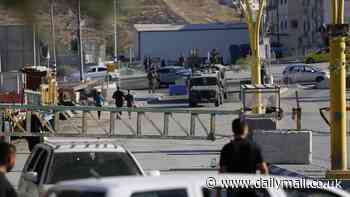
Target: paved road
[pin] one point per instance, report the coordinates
(174, 156)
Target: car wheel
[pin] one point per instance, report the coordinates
(319, 79)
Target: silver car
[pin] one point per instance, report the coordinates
(303, 73)
(53, 162)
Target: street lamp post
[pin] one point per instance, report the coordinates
(115, 10)
(254, 24)
(80, 45)
(338, 31)
(53, 35)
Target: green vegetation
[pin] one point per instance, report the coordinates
(317, 57)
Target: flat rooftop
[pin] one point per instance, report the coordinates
(188, 27)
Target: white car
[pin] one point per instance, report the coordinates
(201, 185)
(303, 73)
(55, 161)
(100, 73)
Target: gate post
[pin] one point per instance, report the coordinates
(193, 124)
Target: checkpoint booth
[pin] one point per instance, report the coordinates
(270, 98)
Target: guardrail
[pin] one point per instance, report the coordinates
(184, 119)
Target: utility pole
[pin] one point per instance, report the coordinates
(80, 45)
(254, 19)
(34, 47)
(115, 21)
(338, 32)
(53, 35)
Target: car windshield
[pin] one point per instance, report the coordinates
(204, 81)
(80, 165)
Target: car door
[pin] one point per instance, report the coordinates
(299, 74)
(310, 74)
(91, 73)
(24, 183)
(101, 72)
(32, 188)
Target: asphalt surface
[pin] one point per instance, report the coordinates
(187, 156)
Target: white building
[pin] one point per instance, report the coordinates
(170, 41)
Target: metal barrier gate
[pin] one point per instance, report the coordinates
(75, 121)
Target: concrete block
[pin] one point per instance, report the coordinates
(259, 124)
(285, 147)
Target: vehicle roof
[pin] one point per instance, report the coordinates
(136, 183)
(204, 75)
(61, 145)
(167, 67)
(98, 66)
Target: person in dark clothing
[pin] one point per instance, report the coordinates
(99, 100)
(119, 96)
(129, 101)
(7, 162)
(241, 155)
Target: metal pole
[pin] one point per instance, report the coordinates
(112, 123)
(139, 122)
(1, 75)
(115, 31)
(84, 123)
(339, 165)
(57, 121)
(166, 124)
(254, 24)
(53, 35)
(193, 124)
(80, 45)
(29, 122)
(34, 46)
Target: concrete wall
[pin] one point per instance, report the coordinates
(171, 44)
(16, 47)
(285, 147)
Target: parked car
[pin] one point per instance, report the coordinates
(100, 73)
(303, 73)
(206, 88)
(200, 185)
(54, 161)
(169, 74)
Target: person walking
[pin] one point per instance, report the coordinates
(99, 101)
(150, 81)
(119, 96)
(155, 81)
(241, 155)
(129, 102)
(7, 162)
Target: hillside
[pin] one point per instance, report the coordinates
(97, 17)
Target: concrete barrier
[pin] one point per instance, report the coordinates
(285, 147)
